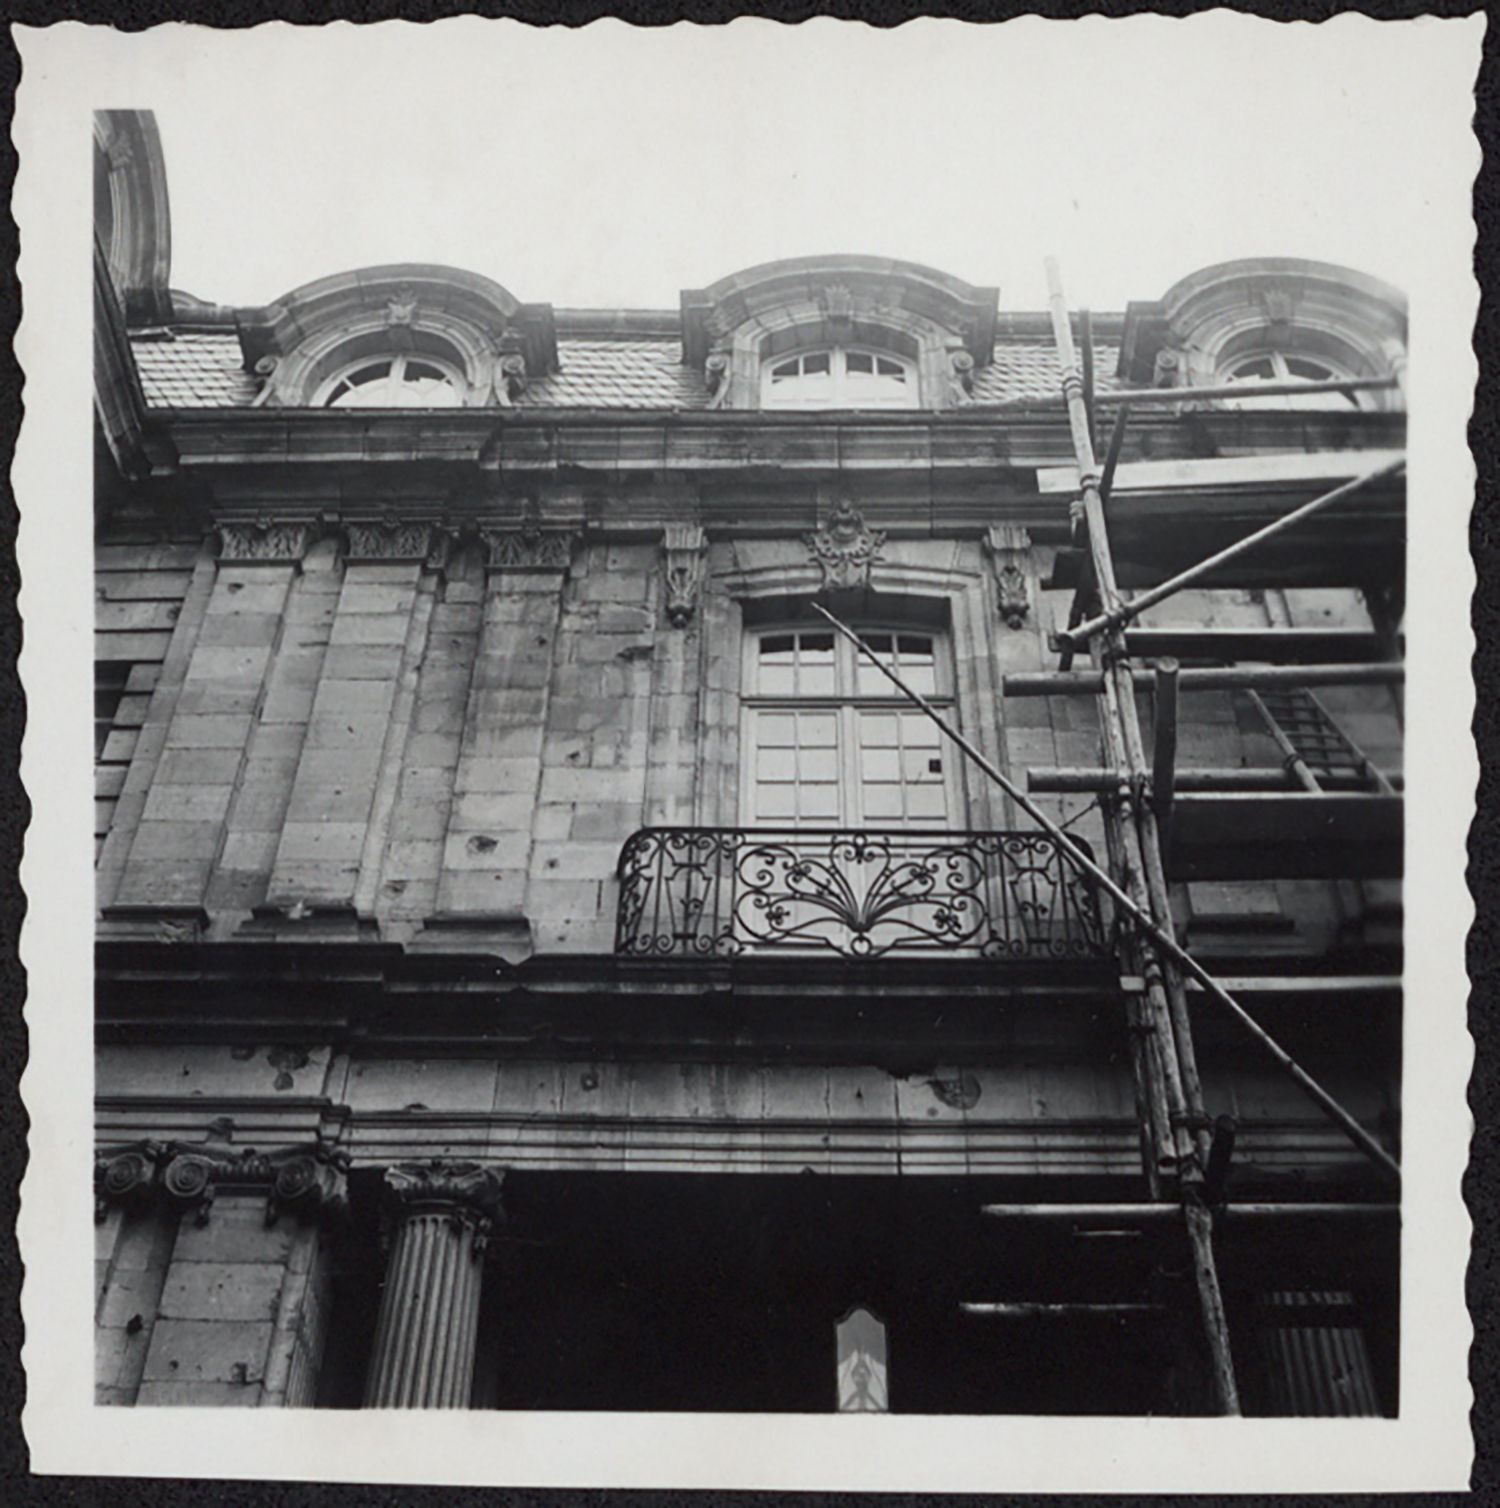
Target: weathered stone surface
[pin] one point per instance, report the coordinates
(198, 1394)
(240, 1291)
(435, 1084)
(208, 1351)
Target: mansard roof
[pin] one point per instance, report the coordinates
(204, 368)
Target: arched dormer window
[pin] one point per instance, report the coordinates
(836, 332)
(395, 381)
(1283, 367)
(839, 377)
(409, 336)
(1267, 319)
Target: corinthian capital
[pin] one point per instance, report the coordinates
(460, 1186)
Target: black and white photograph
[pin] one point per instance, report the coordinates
(779, 732)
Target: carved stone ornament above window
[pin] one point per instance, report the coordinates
(845, 548)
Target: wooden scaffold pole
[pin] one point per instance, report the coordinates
(1136, 845)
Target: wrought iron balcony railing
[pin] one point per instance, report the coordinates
(693, 892)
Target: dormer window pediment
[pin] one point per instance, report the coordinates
(1270, 319)
(836, 333)
(410, 336)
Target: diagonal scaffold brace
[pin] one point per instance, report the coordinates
(1137, 914)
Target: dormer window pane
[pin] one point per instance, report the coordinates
(1273, 366)
(396, 382)
(839, 378)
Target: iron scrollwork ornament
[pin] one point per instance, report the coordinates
(705, 892)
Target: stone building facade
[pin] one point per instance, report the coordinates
(542, 964)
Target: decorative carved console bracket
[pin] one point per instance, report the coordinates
(1008, 547)
(845, 548)
(467, 1192)
(308, 1182)
(685, 544)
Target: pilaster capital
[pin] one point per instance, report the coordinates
(391, 539)
(266, 540)
(528, 549)
(309, 1182)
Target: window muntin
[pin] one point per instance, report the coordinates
(839, 377)
(395, 381)
(1278, 366)
(833, 744)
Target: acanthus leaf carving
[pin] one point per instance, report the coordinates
(528, 548)
(265, 539)
(465, 1191)
(845, 548)
(684, 545)
(387, 540)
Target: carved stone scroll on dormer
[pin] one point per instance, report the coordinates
(718, 373)
(845, 548)
(961, 384)
(1008, 548)
(264, 539)
(684, 544)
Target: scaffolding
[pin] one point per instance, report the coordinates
(1329, 811)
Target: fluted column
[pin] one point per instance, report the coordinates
(429, 1312)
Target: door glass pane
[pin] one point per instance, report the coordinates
(815, 665)
(775, 764)
(926, 803)
(880, 764)
(776, 802)
(818, 764)
(882, 803)
(878, 730)
(818, 730)
(819, 801)
(919, 731)
(777, 730)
